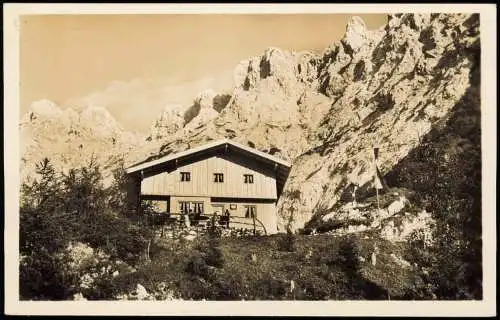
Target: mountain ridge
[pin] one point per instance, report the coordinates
(323, 112)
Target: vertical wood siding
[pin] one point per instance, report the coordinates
(202, 179)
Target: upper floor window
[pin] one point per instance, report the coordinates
(248, 178)
(218, 177)
(185, 176)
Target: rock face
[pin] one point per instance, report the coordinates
(70, 138)
(201, 112)
(389, 104)
(396, 220)
(171, 120)
(325, 112)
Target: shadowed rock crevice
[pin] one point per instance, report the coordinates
(192, 112)
(220, 101)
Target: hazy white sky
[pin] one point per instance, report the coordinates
(136, 64)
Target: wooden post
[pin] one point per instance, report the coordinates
(253, 218)
(139, 191)
(138, 205)
(212, 225)
(376, 178)
(147, 251)
(162, 225)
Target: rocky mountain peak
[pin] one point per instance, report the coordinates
(177, 120)
(205, 99)
(324, 113)
(171, 119)
(99, 119)
(44, 109)
(355, 27)
(69, 137)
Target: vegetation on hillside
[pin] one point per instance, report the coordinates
(63, 211)
(443, 176)
(260, 268)
(445, 172)
(78, 237)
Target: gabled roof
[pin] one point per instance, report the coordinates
(212, 145)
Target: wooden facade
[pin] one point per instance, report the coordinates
(216, 177)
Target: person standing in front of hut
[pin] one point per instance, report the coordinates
(226, 217)
(212, 223)
(187, 220)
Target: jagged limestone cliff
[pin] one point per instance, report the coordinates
(324, 112)
(384, 88)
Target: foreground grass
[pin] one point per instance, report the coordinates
(264, 267)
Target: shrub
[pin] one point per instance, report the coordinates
(286, 242)
(306, 230)
(122, 194)
(230, 286)
(103, 288)
(196, 289)
(445, 172)
(362, 288)
(116, 235)
(415, 251)
(57, 209)
(197, 266)
(417, 287)
(331, 224)
(213, 256)
(270, 288)
(209, 246)
(42, 277)
(313, 287)
(348, 255)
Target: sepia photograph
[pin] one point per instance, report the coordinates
(171, 155)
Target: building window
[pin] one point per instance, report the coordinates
(185, 176)
(191, 207)
(250, 211)
(218, 177)
(183, 208)
(248, 178)
(158, 206)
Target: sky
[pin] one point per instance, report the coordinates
(135, 65)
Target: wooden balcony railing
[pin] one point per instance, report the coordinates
(178, 220)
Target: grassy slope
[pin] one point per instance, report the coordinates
(315, 267)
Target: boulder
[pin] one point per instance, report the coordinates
(397, 206)
(400, 261)
(141, 292)
(79, 297)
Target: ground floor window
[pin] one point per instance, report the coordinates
(158, 206)
(250, 211)
(191, 207)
